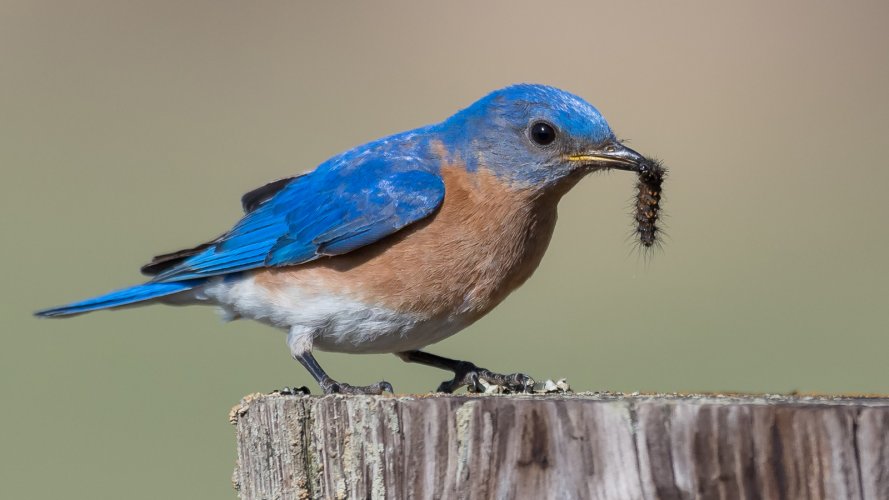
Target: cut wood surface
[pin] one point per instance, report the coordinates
(593, 445)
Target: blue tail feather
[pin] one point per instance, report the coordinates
(126, 296)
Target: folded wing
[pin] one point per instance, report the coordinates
(324, 213)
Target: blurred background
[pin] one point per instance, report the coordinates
(130, 129)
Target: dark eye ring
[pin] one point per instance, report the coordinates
(542, 133)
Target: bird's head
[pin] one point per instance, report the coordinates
(538, 137)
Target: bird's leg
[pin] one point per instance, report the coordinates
(331, 386)
(466, 373)
(301, 350)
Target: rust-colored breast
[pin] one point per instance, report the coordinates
(484, 241)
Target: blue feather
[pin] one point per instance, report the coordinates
(345, 204)
(131, 295)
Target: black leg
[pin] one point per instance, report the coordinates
(331, 386)
(466, 373)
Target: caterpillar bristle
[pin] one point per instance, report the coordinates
(648, 203)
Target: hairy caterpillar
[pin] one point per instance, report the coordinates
(648, 199)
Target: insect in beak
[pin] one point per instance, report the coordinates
(651, 177)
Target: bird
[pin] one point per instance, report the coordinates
(398, 243)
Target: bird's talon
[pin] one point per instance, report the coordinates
(480, 380)
(475, 383)
(519, 382)
(294, 391)
(344, 388)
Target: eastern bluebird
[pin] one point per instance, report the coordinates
(399, 243)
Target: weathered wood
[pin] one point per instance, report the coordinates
(603, 446)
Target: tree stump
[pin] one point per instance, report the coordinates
(597, 445)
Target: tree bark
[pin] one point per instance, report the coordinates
(602, 446)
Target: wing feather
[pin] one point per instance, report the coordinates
(324, 213)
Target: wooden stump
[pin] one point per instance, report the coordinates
(603, 446)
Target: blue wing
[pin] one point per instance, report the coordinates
(331, 211)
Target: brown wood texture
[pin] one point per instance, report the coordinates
(601, 446)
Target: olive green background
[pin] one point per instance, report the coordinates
(128, 129)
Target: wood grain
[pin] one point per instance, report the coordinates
(601, 446)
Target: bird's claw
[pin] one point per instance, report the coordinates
(479, 380)
(294, 391)
(330, 386)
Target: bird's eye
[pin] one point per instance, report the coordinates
(542, 133)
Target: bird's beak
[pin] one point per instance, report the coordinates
(613, 155)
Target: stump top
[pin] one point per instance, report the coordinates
(728, 398)
(734, 398)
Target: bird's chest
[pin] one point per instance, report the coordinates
(455, 266)
(483, 243)
(486, 253)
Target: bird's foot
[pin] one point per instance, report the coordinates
(481, 380)
(294, 391)
(330, 386)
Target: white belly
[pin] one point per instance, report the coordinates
(335, 323)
